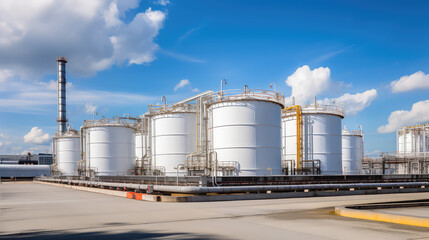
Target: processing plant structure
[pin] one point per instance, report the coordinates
(66, 141)
(230, 141)
(411, 156)
(246, 132)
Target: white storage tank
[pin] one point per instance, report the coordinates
(321, 137)
(110, 146)
(413, 140)
(352, 144)
(173, 137)
(67, 152)
(245, 132)
(140, 145)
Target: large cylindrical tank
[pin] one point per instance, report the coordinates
(140, 145)
(68, 154)
(245, 133)
(173, 138)
(352, 144)
(110, 147)
(321, 137)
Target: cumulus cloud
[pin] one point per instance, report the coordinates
(353, 103)
(90, 109)
(162, 2)
(195, 90)
(307, 84)
(182, 84)
(418, 80)
(4, 75)
(418, 114)
(22, 96)
(92, 34)
(37, 136)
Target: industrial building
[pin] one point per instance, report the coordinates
(245, 132)
(411, 156)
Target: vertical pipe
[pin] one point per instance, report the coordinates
(62, 120)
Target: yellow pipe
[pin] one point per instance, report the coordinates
(298, 134)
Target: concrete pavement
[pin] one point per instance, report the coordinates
(36, 211)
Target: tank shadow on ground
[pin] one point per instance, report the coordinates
(107, 236)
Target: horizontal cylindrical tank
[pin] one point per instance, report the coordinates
(245, 133)
(173, 138)
(352, 153)
(68, 153)
(110, 147)
(321, 137)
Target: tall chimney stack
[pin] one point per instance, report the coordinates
(62, 120)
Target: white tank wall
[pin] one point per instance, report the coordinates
(352, 153)
(111, 150)
(412, 141)
(247, 132)
(140, 145)
(321, 140)
(173, 138)
(68, 155)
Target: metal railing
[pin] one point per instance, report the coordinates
(171, 108)
(115, 122)
(318, 108)
(245, 94)
(352, 132)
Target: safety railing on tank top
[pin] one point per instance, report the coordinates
(132, 122)
(352, 132)
(171, 108)
(318, 108)
(245, 94)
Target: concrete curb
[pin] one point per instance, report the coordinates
(88, 189)
(382, 217)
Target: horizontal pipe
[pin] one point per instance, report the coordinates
(281, 188)
(233, 189)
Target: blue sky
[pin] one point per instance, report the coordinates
(125, 55)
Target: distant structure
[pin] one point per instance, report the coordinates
(66, 141)
(353, 151)
(411, 156)
(37, 159)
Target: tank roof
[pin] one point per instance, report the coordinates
(129, 122)
(171, 108)
(245, 95)
(316, 109)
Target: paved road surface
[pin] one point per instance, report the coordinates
(38, 211)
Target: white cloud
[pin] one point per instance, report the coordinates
(353, 103)
(182, 84)
(90, 109)
(307, 84)
(162, 2)
(92, 34)
(22, 96)
(419, 113)
(418, 80)
(4, 75)
(37, 136)
(195, 90)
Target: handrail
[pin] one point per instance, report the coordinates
(245, 94)
(309, 109)
(118, 121)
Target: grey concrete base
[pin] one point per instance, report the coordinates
(235, 197)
